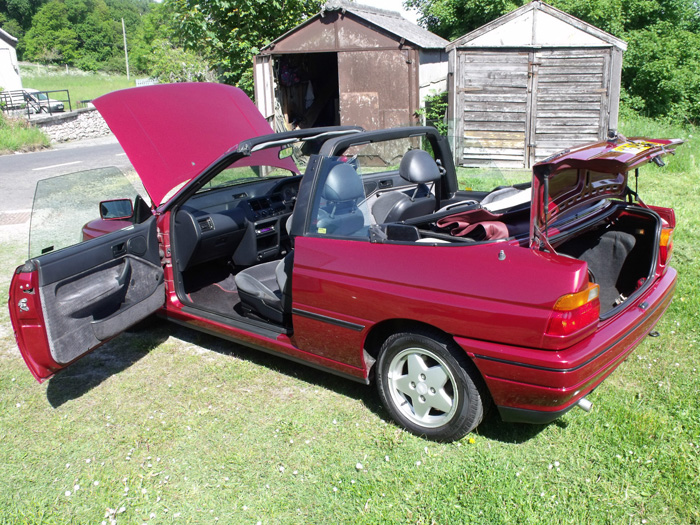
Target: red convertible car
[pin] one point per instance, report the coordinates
(372, 265)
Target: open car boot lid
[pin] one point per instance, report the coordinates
(149, 123)
(579, 177)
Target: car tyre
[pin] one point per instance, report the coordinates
(429, 386)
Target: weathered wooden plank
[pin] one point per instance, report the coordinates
(548, 111)
(593, 107)
(514, 84)
(493, 126)
(494, 115)
(568, 88)
(499, 66)
(491, 75)
(520, 97)
(496, 134)
(568, 129)
(497, 144)
(493, 106)
(473, 151)
(572, 52)
(475, 163)
(595, 63)
(568, 97)
(507, 57)
(570, 69)
(571, 79)
(567, 120)
(565, 140)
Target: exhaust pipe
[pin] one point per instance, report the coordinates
(584, 404)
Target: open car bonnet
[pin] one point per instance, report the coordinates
(172, 132)
(579, 177)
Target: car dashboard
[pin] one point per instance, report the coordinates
(244, 223)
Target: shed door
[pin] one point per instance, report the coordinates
(376, 88)
(492, 109)
(264, 86)
(515, 108)
(571, 102)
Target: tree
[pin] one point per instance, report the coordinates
(174, 64)
(231, 32)
(21, 12)
(51, 37)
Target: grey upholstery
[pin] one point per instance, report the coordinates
(342, 191)
(265, 289)
(417, 167)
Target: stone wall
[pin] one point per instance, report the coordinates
(82, 123)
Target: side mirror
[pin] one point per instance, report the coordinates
(118, 209)
(286, 152)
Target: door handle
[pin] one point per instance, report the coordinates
(119, 249)
(125, 274)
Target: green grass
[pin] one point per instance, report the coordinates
(18, 135)
(80, 84)
(179, 427)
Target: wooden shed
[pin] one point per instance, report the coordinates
(349, 64)
(529, 84)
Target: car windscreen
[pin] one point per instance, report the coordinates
(63, 204)
(235, 175)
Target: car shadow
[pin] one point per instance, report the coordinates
(493, 427)
(109, 359)
(321, 378)
(125, 350)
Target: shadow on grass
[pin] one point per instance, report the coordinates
(494, 428)
(109, 359)
(321, 378)
(125, 350)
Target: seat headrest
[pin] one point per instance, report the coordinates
(419, 167)
(343, 184)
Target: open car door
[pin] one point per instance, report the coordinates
(65, 303)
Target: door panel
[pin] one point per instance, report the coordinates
(492, 114)
(570, 100)
(264, 86)
(66, 303)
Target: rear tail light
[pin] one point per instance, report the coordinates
(665, 245)
(575, 311)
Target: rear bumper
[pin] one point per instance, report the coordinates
(538, 386)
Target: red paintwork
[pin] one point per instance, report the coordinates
(29, 326)
(473, 293)
(603, 157)
(616, 157)
(100, 227)
(593, 359)
(149, 123)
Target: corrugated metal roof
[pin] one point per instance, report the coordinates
(390, 21)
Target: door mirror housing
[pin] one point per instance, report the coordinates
(117, 209)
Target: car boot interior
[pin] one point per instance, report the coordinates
(619, 254)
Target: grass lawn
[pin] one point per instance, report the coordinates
(170, 425)
(80, 84)
(17, 135)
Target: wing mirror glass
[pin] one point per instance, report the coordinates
(118, 209)
(286, 152)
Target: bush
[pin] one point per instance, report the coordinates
(435, 112)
